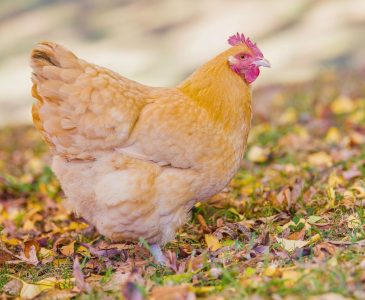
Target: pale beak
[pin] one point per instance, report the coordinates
(262, 63)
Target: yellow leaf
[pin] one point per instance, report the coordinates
(83, 250)
(331, 194)
(271, 271)
(342, 105)
(28, 225)
(319, 159)
(249, 272)
(202, 290)
(290, 277)
(10, 241)
(212, 242)
(334, 180)
(69, 249)
(46, 255)
(315, 238)
(47, 283)
(258, 154)
(289, 116)
(291, 245)
(333, 135)
(77, 226)
(30, 290)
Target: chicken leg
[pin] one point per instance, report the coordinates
(157, 254)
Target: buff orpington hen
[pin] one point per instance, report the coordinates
(132, 159)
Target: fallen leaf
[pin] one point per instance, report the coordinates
(290, 276)
(258, 154)
(203, 224)
(314, 219)
(298, 235)
(357, 138)
(79, 277)
(334, 179)
(83, 251)
(196, 262)
(213, 243)
(342, 105)
(291, 245)
(182, 292)
(46, 255)
(353, 221)
(329, 296)
(320, 159)
(333, 136)
(29, 253)
(322, 250)
(271, 271)
(352, 173)
(315, 238)
(69, 249)
(288, 116)
(32, 290)
(5, 256)
(13, 287)
(27, 247)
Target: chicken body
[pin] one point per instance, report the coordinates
(132, 159)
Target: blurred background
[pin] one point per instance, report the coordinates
(159, 42)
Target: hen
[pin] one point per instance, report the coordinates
(132, 159)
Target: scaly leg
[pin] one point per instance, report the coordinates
(158, 255)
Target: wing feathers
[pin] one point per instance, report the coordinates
(81, 107)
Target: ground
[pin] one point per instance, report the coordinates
(291, 224)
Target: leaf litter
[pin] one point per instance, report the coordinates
(289, 226)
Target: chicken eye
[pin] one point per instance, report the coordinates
(242, 56)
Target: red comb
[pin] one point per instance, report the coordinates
(240, 38)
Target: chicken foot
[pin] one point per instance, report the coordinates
(157, 254)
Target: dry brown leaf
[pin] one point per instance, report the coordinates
(27, 247)
(29, 253)
(298, 235)
(79, 277)
(196, 262)
(203, 224)
(322, 250)
(5, 256)
(69, 249)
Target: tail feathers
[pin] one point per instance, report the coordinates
(53, 68)
(52, 54)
